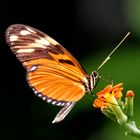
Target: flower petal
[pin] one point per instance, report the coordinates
(117, 86)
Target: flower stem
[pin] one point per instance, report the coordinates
(121, 117)
(130, 126)
(132, 129)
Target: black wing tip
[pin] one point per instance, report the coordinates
(9, 31)
(12, 29)
(16, 26)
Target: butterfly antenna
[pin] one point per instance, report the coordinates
(108, 57)
(106, 80)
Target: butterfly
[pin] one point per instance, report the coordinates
(52, 72)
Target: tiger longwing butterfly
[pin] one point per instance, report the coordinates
(52, 72)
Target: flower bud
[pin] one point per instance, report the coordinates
(129, 103)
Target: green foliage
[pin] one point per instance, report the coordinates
(124, 66)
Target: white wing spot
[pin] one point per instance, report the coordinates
(39, 95)
(44, 98)
(33, 68)
(51, 40)
(35, 45)
(33, 89)
(59, 103)
(25, 51)
(54, 102)
(24, 32)
(68, 103)
(13, 38)
(49, 100)
(42, 41)
(36, 92)
(62, 104)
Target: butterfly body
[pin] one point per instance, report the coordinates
(52, 72)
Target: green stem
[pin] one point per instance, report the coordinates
(121, 117)
(130, 126)
(132, 129)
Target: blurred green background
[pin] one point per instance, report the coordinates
(90, 30)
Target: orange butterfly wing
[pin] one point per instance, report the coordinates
(52, 72)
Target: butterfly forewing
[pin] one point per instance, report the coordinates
(52, 72)
(29, 43)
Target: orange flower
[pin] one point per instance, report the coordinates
(110, 102)
(107, 95)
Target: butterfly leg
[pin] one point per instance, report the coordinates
(63, 112)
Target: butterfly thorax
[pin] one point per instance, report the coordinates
(92, 80)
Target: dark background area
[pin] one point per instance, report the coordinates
(90, 30)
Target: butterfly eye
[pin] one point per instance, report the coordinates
(94, 74)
